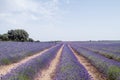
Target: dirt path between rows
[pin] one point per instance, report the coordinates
(93, 72)
(49, 73)
(7, 68)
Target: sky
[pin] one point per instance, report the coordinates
(66, 20)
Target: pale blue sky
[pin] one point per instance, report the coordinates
(62, 19)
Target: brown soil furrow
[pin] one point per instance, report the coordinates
(93, 72)
(7, 68)
(48, 74)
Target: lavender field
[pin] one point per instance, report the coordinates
(86, 60)
(59, 39)
(11, 52)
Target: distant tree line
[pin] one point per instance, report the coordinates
(16, 35)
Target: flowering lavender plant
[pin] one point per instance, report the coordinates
(109, 67)
(11, 52)
(69, 68)
(28, 70)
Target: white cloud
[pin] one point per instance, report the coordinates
(38, 17)
(21, 11)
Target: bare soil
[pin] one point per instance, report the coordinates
(93, 72)
(48, 74)
(7, 68)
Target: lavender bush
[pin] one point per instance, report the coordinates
(69, 68)
(11, 52)
(28, 70)
(107, 49)
(109, 67)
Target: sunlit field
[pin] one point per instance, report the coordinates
(33, 60)
(59, 39)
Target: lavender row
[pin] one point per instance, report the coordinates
(11, 52)
(69, 68)
(108, 54)
(28, 70)
(110, 47)
(106, 46)
(103, 49)
(109, 67)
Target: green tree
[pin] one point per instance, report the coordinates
(0, 37)
(18, 35)
(30, 40)
(4, 37)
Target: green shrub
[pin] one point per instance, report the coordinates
(113, 73)
(5, 61)
(23, 77)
